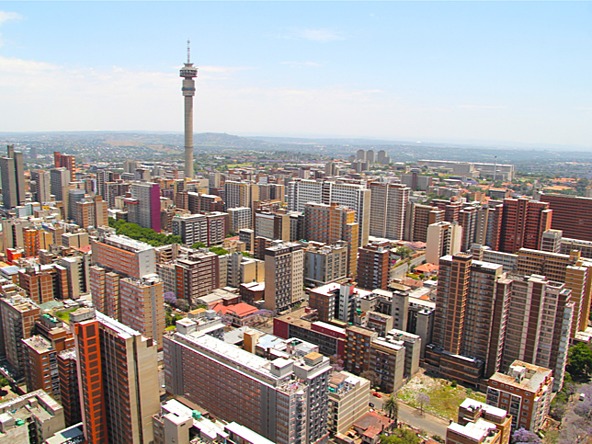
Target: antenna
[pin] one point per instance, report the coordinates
(188, 52)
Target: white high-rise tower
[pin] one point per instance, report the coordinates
(188, 72)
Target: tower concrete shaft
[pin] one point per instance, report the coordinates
(188, 72)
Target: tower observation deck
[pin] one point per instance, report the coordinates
(188, 72)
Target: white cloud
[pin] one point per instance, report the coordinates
(7, 16)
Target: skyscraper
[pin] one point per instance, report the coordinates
(387, 209)
(188, 72)
(523, 223)
(118, 379)
(144, 207)
(284, 275)
(13, 178)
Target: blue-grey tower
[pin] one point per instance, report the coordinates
(188, 72)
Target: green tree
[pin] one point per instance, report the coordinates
(579, 361)
(197, 245)
(391, 407)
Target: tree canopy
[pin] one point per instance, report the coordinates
(147, 235)
(579, 361)
(400, 436)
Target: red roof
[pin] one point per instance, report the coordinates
(241, 310)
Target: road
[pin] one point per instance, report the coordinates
(413, 417)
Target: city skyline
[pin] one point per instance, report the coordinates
(472, 72)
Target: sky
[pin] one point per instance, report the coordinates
(490, 72)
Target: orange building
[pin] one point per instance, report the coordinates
(118, 379)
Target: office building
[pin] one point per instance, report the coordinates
(284, 275)
(284, 400)
(348, 401)
(40, 186)
(91, 212)
(470, 318)
(12, 172)
(272, 225)
(352, 195)
(524, 392)
(240, 217)
(240, 194)
(330, 224)
(69, 390)
(539, 325)
(144, 206)
(444, 238)
(373, 266)
(142, 306)
(18, 315)
(571, 214)
(65, 161)
(124, 255)
(571, 269)
(118, 377)
(388, 203)
(419, 217)
(197, 275)
(523, 223)
(325, 263)
(59, 180)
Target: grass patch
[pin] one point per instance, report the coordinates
(445, 396)
(64, 315)
(170, 328)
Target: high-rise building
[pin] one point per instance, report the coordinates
(188, 72)
(419, 217)
(59, 179)
(325, 263)
(523, 223)
(387, 209)
(348, 400)
(240, 194)
(240, 217)
(373, 266)
(539, 325)
(272, 225)
(284, 400)
(17, 315)
(142, 306)
(353, 195)
(284, 275)
(575, 272)
(571, 214)
(118, 378)
(444, 238)
(192, 228)
(65, 161)
(74, 196)
(40, 186)
(124, 255)
(12, 172)
(197, 275)
(470, 319)
(330, 224)
(144, 206)
(91, 212)
(69, 390)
